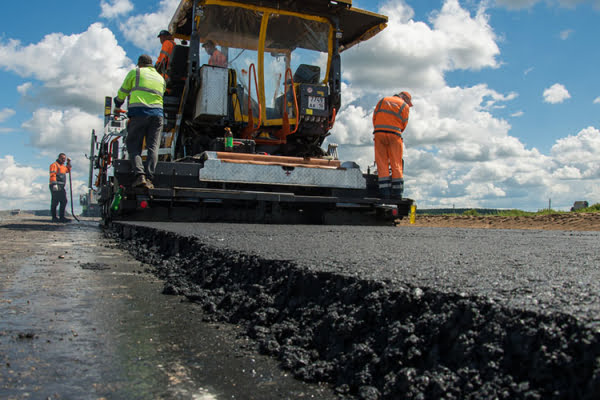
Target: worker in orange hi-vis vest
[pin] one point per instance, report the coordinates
(389, 121)
(217, 59)
(58, 181)
(166, 53)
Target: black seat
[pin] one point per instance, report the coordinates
(307, 74)
(177, 70)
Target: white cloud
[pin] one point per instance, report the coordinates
(519, 113)
(564, 35)
(597, 100)
(142, 29)
(528, 70)
(74, 70)
(24, 88)
(6, 113)
(455, 40)
(20, 185)
(115, 8)
(556, 93)
(57, 131)
(579, 150)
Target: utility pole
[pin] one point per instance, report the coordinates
(549, 204)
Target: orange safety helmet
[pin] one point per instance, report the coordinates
(406, 97)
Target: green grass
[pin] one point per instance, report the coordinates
(510, 213)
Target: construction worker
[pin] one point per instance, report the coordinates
(217, 58)
(145, 89)
(58, 181)
(389, 121)
(166, 53)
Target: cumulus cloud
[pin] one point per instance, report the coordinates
(453, 40)
(564, 35)
(6, 113)
(141, 30)
(597, 100)
(519, 113)
(62, 130)
(72, 70)
(20, 184)
(115, 8)
(556, 93)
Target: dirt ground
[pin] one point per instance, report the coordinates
(567, 222)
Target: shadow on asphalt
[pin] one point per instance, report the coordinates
(33, 227)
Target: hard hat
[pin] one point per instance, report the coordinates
(164, 33)
(407, 97)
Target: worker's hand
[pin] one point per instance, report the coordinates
(54, 187)
(118, 102)
(68, 162)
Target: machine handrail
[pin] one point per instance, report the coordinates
(289, 71)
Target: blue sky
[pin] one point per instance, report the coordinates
(506, 94)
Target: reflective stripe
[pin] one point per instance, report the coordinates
(388, 127)
(395, 114)
(143, 89)
(145, 105)
(165, 53)
(124, 90)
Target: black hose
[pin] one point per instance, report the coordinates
(71, 193)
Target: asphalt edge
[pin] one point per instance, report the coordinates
(369, 339)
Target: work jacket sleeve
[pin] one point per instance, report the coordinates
(53, 171)
(126, 87)
(375, 111)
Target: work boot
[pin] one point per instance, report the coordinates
(397, 188)
(63, 219)
(149, 184)
(385, 193)
(54, 219)
(140, 181)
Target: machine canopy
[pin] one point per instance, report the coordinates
(237, 23)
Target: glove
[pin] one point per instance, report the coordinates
(54, 187)
(118, 102)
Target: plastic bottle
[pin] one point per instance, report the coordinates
(228, 140)
(117, 200)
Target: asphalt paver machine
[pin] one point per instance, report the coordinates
(243, 141)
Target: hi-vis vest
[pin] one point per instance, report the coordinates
(390, 115)
(145, 88)
(164, 58)
(58, 174)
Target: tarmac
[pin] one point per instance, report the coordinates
(405, 312)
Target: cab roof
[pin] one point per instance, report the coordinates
(356, 25)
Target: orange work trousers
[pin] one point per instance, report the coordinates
(388, 154)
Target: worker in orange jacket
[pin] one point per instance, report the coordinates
(389, 121)
(217, 58)
(58, 181)
(166, 53)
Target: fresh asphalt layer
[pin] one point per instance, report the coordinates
(543, 271)
(405, 312)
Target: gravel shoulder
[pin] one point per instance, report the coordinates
(571, 221)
